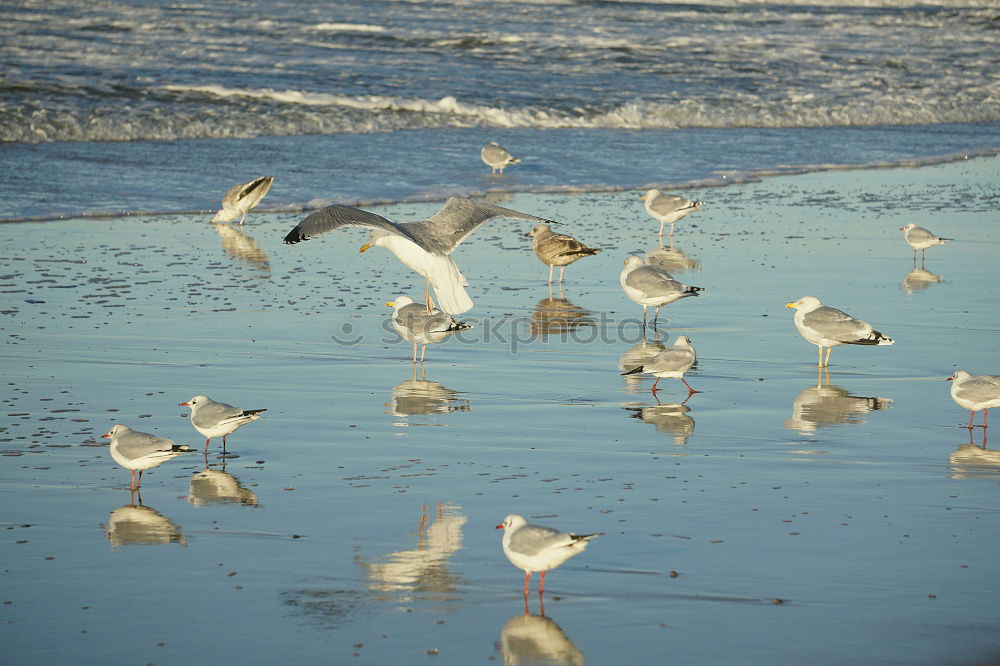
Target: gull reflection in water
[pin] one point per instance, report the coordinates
(974, 461)
(213, 486)
(420, 396)
(422, 571)
(536, 640)
(826, 405)
(138, 525)
(238, 245)
(634, 357)
(672, 259)
(552, 316)
(671, 419)
(919, 279)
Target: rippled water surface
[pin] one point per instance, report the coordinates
(355, 520)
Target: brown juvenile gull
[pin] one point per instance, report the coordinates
(668, 207)
(648, 285)
(415, 324)
(136, 450)
(243, 198)
(554, 249)
(981, 392)
(920, 239)
(496, 157)
(536, 548)
(828, 327)
(422, 246)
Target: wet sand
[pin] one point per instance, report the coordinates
(355, 520)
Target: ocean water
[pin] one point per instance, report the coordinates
(154, 106)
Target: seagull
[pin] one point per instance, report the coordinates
(136, 450)
(496, 157)
(217, 419)
(414, 324)
(423, 246)
(536, 548)
(555, 249)
(920, 239)
(671, 362)
(828, 327)
(975, 393)
(648, 285)
(243, 198)
(668, 207)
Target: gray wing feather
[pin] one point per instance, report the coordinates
(533, 539)
(339, 216)
(669, 359)
(920, 235)
(652, 280)
(980, 389)
(460, 217)
(213, 413)
(139, 444)
(836, 325)
(668, 203)
(416, 318)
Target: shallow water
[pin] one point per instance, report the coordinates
(356, 517)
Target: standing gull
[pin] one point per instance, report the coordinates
(920, 239)
(975, 393)
(668, 207)
(217, 419)
(243, 198)
(415, 324)
(555, 249)
(828, 327)
(423, 246)
(496, 157)
(536, 548)
(136, 450)
(671, 362)
(651, 286)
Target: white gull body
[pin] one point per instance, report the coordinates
(217, 419)
(650, 286)
(414, 324)
(140, 451)
(975, 393)
(496, 157)
(536, 548)
(829, 327)
(668, 207)
(920, 239)
(672, 362)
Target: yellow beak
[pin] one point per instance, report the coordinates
(643, 197)
(391, 304)
(365, 247)
(791, 305)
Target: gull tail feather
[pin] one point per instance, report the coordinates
(449, 290)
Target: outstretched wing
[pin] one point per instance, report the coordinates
(448, 227)
(252, 191)
(339, 216)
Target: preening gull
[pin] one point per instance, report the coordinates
(920, 239)
(554, 249)
(496, 157)
(828, 327)
(981, 392)
(243, 198)
(217, 419)
(668, 207)
(651, 286)
(136, 450)
(415, 324)
(671, 362)
(536, 548)
(423, 246)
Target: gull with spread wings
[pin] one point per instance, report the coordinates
(422, 246)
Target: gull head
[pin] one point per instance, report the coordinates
(374, 240)
(116, 429)
(634, 262)
(197, 400)
(650, 194)
(907, 227)
(399, 302)
(511, 521)
(539, 228)
(806, 303)
(958, 376)
(682, 341)
(224, 215)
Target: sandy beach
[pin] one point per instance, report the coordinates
(820, 519)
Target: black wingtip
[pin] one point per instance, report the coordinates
(295, 236)
(633, 371)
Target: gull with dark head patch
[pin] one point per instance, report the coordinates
(136, 450)
(537, 548)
